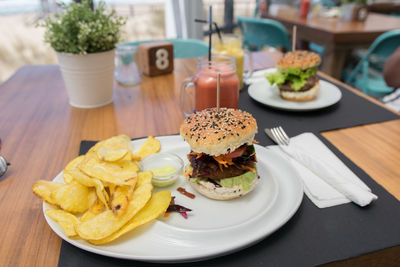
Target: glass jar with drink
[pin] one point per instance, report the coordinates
(205, 82)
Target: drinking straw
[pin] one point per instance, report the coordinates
(294, 38)
(210, 31)
(215, 25)
(218, 89)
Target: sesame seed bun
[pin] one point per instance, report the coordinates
(212, 191)
(301, 96)
(216, 132)
(301, 59)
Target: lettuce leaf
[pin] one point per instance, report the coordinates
(295, 76)
(277, 78)
(246, 179)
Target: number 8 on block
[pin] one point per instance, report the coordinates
(156, 58)
(162, 61)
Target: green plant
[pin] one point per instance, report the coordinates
(79, 30)
(362, 2)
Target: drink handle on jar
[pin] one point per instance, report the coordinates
(249, 72)
(188, 82)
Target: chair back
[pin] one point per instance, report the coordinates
(183, 48)
(384, 45)
(327, 3)
(188, 48)
(381, 48)
(259, 32)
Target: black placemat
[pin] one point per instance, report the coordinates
(313, 236)
(351, 110)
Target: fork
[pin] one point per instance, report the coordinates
(323, 170)
(278, 135)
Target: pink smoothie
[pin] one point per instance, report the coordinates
(206, 87)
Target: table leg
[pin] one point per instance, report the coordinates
(333, 61)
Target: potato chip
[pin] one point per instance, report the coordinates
(71, 165)
(106, 187)
(94, 148)
(72, 197)
(113, 173)
(108, 154)
(43, 189)
(111, 188)
(107, 223)
(95, 209)
(130, 157)
(114, 148)
(91, 182)
(67, 178)
(156, 206)
(135, 157)
(66, 220)
(150, 146)
(120, 198)
(92, 196)
(74, 163)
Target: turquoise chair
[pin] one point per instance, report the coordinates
(259, 32)
(313, 46)
(183, 48)
(368, 82)
(327, 3)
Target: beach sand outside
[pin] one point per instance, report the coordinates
(22, 42)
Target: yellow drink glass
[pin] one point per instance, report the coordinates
(231, 45)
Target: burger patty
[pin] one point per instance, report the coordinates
(309, 84)
(207, 167)
(212, 171)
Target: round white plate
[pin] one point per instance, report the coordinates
(213, 227)
(262, 91)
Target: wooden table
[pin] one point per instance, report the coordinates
(41, 133)
(338, 36)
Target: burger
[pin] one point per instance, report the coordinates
(222, 160)
(295, 76)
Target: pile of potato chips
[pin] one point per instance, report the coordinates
(104, 195)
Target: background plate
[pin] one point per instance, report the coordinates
(231, 225)
(262, 92)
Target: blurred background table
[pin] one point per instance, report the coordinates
(338, 36)
(41, 133)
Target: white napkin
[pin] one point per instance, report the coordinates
(343, 185)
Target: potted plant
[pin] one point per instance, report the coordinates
(354, 10)
(84, 41)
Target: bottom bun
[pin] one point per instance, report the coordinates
(301, 96)
(209, 190)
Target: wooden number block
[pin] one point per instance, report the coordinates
(156, 58)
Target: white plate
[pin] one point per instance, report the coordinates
(213, 227)
(262, 91)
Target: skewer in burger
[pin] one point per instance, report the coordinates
(222, 158)
(295, 76)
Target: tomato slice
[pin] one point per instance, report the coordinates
(237, 153)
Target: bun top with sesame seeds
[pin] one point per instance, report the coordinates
(216, 132)
(301, 59)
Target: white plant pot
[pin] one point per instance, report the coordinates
(89, 78)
